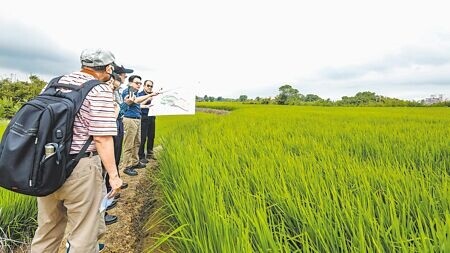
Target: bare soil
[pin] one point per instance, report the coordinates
(135, 205)
(210, 110)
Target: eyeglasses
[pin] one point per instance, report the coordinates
(138, 83)
(149, 86)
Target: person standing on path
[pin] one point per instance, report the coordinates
(76, 204)
(147, 124)
(122, 106)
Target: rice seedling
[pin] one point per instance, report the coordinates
(307, 179)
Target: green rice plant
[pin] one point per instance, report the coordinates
(17, 216)
(3, 125)
(307, 179)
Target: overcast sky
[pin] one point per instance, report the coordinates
(228, 48)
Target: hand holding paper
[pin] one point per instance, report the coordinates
(106, 201)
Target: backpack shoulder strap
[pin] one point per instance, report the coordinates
(85, 88)
(83, 149)
(54, 84)
(78, 92)
(50, 88)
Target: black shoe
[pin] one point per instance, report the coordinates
(124, 186)
(143, 160)
(139, 166)
(110, 219)
(130, 171)
(113, 204)
(151, 156)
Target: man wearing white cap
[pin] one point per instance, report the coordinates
(76, 204)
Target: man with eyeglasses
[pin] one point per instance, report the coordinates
(147, 123)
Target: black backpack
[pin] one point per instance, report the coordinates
(45, 120)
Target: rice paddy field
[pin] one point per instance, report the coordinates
(266, 178)
(306, 179)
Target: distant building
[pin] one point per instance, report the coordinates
(433, 99)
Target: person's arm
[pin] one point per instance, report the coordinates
(116, 109)
(141, 99)
(144, 103)
(102, 127)
(146, 98)
(105, 149)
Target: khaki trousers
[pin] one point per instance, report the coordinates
(75, 204)
(131, 141)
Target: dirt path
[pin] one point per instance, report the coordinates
(210, 110)
(133, 209)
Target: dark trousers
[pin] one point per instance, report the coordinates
(118, 140)
(147, 135)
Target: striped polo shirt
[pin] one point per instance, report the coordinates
(96, 116)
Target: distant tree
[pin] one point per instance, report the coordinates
(219, 98)
(13, 94)
(444, 103)
(366, 97)
(243, 98)
(288, 95)
(265, 101)
(211, 99)
(312, 98)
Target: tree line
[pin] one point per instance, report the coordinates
(13, 94)
(290, 96)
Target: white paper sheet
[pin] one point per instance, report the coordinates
(105, 202)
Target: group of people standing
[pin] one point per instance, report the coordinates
(138, 125)
(135, 128)
(115, 114)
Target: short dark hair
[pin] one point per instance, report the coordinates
(96, 68)
(116, 77)
(148, 81)
(131, 78)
